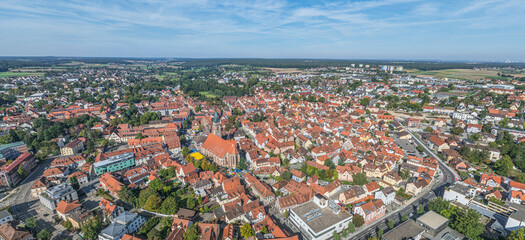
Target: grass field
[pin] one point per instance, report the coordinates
(208, 94)
(283, 70)
(19, 74)
(467, 74)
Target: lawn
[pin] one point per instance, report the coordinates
(467, 74)
(19, 74)
(208, 94)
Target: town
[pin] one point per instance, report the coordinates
(136, 149)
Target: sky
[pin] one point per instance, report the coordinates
(470, 30)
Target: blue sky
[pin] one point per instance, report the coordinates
(484, 30)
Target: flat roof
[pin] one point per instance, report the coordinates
(432, 219)
(326, 220)
(406, 230)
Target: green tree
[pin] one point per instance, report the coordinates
(242, 164)
(420, 209)
(31, 222)
(44, 234)
(438, 205)
(192, 233)
(153, 203)
(517, 234)
(169, 206)
(405, 173)
(429, 129)
(185, 151)
(287, 175)
(286, 213)
(247, 230)
(144, 196)
(360, 179)
(74, 182)
(351, 227)
(379, 233)
(336, 236)
(68, 225)
(391, 224)
(191, 203)
(92, 228)
(364, 101)
(21, 171)
(504, 165)
(264, 230)
(403, 218)
(154, 234)
(358, 220)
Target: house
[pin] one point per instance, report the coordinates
(52, 196)
(392, 178)
(490, 180)
(412, 122)
(517, 197)
(298, 175)
(9, 176)
(5, 217)
(72, 148)
(110, 209)
(81, 177)
(375, 171)
(473, 128)
(371, 210)
(460, 193)
(371, 187)
(64, 208)
(223, 152)
(437, 143)
(345, 172)
(11, 231)
(414, 188)
(125, 223)
(352, 195)
(387, 195)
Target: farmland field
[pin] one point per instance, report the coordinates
(19, 74)
(468, 74)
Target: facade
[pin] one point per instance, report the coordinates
(10, 231)
(5, 217)
(406, 230)
(9, 177)
(115, 163)
(387, 195)
(460, 193)
(371, 210)
(72, 148)
(432, 222)
(52, 196)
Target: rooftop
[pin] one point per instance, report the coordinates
(432, 220)
(327, 218)
(406, 230)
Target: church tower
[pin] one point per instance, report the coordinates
(216, 127)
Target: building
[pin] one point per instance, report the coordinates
(371, 210)
(5, 217)
(64, 208)
(11, 231)
(406, 230)
(414, 188)
(223, 152)
(72, 148)
(432, 222)
(319, 218)
(125, 223)
(412, 122)
(387, 195)
(9, 177)
(52, 196)
(12, 150)
(115, 163)
(459, 193)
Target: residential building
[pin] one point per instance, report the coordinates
(125, 223)
(370, 210)
(11, 231)
(12, 150)
(74, 147)
(387, 195)
(9, 176)
(52, 196)
(5, 217)
(115, 163)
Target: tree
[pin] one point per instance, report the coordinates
(517, 234)
(467, 222)
(169, 206)
(336, 236)
(405, 173)
(74, 182)
(21, 171)
(264, 230)
(391, 224)
(192, 233)
(420, 209)
(242, 164)
(286, 213)
(429, 129)
(68, 225)
(379, 233)
(358, 220)
(31, 222)
(128, 195)
(351, 227)
(457, 130)
(185, 151)
(287, 175)
(403, 218)
(247, 230)
(364, 101)
(153, 203)
(504, 165)
(360, 179)
(438, 205)
(191, 203)
(44, 234)
(92, 228)
(154, 234)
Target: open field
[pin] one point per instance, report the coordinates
(19, 74)
(208, 94)
(284, 70)
(468, 74)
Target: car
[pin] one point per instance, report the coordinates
(46, 214)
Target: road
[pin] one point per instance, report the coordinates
(449, 177)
